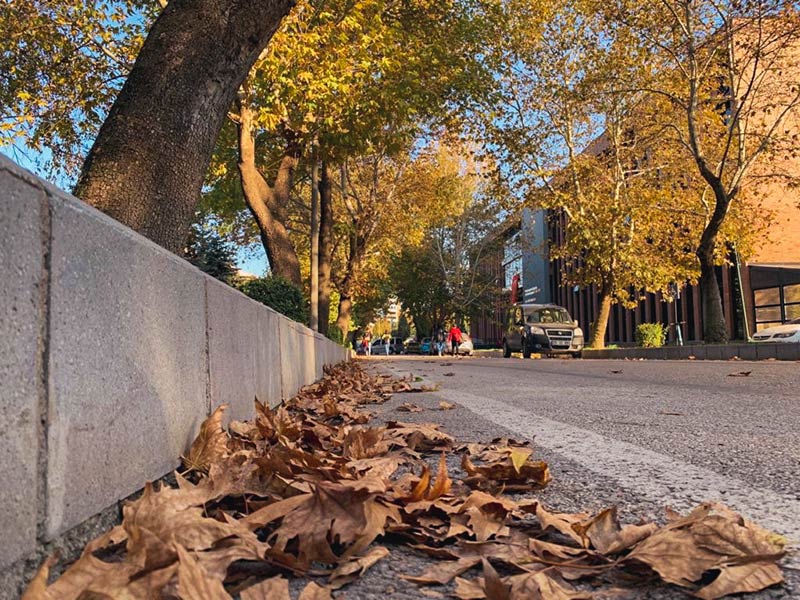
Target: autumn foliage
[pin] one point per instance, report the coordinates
(314, 489)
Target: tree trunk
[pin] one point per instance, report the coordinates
(325, 247)
(345, 311)
(598, 335)
(354, 258)
(146, 166)
(268, 204)
(314, 283)
(715, 330)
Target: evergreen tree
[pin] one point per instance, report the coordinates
(207, 251)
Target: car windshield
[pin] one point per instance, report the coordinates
(549, 315)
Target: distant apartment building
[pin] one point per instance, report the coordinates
(757, 292)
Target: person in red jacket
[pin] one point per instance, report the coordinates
(454, 339)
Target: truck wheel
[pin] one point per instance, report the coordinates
(576, 355)
(506, 350)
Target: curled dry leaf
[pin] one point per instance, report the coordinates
(712, 540)
(211, 444)
(444, 405)
(37, 588)
(408, 407)
(514, 471)
(349, 571)
(604, 533)
(418, 436)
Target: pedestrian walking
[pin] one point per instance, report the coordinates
(454, 338)
(386, 343)
(440, 339)
(368, 343)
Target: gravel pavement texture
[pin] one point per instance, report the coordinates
(641, 435)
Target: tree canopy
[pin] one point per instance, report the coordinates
(63, 63)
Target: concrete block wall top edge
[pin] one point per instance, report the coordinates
(222, 285)
(60, 195)
(6, 164)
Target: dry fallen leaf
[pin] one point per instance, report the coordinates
(740, 374)
(194, 581)
(349, 571)
(37, 588)
(444, 405)
(314, 592)
(408, 407)
(274, 588)
(211, 444)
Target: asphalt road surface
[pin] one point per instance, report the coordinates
(641, 433)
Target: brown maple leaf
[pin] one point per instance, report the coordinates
(211, 444)
(274, 588)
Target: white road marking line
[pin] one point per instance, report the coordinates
(656, 477)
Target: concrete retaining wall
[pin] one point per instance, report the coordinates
(112, 352)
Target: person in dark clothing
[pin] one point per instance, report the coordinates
(440, 340)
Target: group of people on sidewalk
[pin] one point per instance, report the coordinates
(366, 343)
(444, 342)
(452, 340)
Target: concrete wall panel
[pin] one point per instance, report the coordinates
(308, 355)
(233, 342)
(291, 367)
(269, 354)
(21, 271)
(127, 362)
(298, 359)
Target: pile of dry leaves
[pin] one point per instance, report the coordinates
(308, 489)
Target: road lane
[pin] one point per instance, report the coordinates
(676, 432)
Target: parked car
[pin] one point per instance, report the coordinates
(412, 346)
(466, 347)
(787, 333)
(426, 346)
(541, 328)
(395, 346)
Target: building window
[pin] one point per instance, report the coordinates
(776, 305)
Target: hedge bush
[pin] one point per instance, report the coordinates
(651, 335)
(335, 334)
(279, 294)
